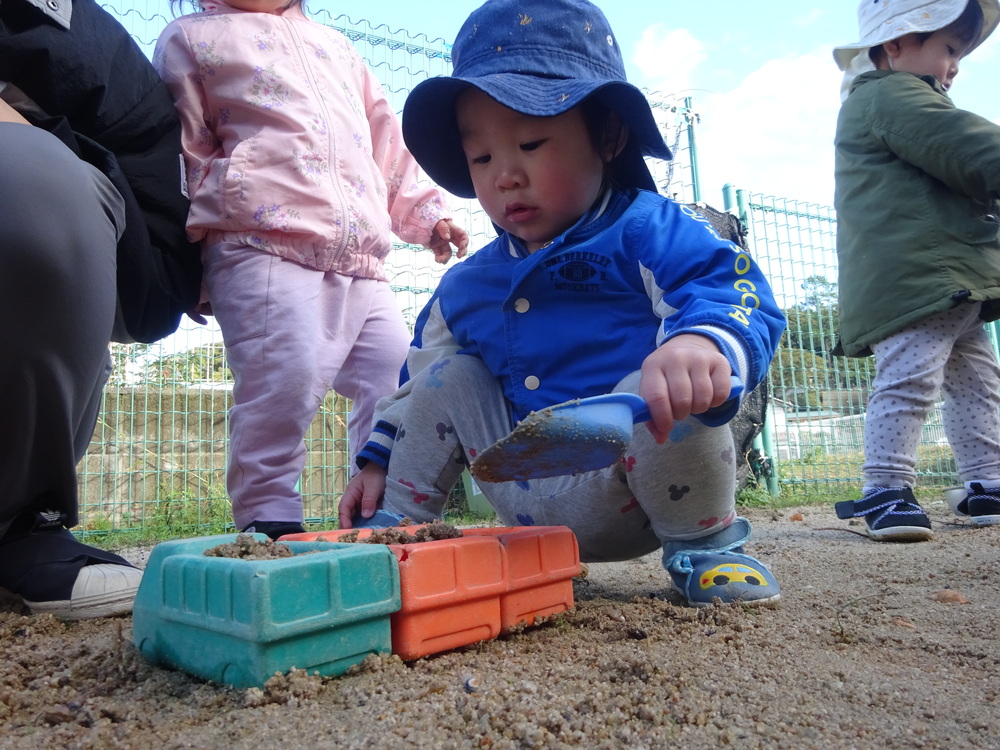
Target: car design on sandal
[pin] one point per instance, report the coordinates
(721, 575)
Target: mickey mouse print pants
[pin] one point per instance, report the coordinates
(683, 489)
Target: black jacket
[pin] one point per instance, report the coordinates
(102, 98)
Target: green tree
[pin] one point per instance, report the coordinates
(798, 375)
(127, 362)
(812, 321)
(805, 364)
(821, 294)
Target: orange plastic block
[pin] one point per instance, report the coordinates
(541, 564)
(455, 592)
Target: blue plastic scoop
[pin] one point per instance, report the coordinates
(571, 438)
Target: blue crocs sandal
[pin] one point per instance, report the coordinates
(715, 567)
(982, 506)
(891, 514)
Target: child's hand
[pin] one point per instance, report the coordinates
(447, 233)
(199, 311)
(687, 375)
(362, 495)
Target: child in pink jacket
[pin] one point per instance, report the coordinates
(298, 176)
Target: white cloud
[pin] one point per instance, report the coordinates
(769, 130)
(772, 133)
(975, 86)
(667, 58)
(808, 19)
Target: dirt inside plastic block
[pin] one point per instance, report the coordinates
(246, 547)
(430, 532)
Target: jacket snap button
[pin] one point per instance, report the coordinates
(532, 383)
(522, 305)
(53, 5)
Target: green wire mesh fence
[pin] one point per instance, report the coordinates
(815, 425)
(159, 451)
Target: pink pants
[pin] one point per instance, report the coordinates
(292, 334)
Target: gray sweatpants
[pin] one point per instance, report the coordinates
(948, 353)
(683, 489)
(60, 220)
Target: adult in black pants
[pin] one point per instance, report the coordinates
(92, 250)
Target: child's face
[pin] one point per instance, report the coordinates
(938, 56)
(534, 176)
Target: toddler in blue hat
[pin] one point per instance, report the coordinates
(595, 283)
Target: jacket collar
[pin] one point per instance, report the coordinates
(608, 207)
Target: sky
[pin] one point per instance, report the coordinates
(760, 73)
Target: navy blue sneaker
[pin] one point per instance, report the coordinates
(715, 567)
(982, 506)
(892, 514)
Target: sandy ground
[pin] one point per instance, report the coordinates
(873, 645)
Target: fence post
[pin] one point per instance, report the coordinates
(690, 116)
(735, 200)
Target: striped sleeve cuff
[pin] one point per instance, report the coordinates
(379, 445)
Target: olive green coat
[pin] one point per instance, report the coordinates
(917, 182)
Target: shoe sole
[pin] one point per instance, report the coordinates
(768, 603)
(985, 520)
(901, 534)
(119, 603)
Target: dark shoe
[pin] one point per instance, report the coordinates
(275, 529)
(52, 571)
(714, 567)
(982, 506)
(101, 590)
(891, 514)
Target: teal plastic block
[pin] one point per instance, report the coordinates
(240, 621)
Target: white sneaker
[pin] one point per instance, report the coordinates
(101, 590)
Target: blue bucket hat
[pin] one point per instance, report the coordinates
(540, 58)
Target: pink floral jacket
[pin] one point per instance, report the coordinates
(290, 144)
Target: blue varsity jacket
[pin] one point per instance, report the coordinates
(573, 318)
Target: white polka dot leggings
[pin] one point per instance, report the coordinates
(949, 354)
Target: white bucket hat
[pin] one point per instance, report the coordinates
(881, 21)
